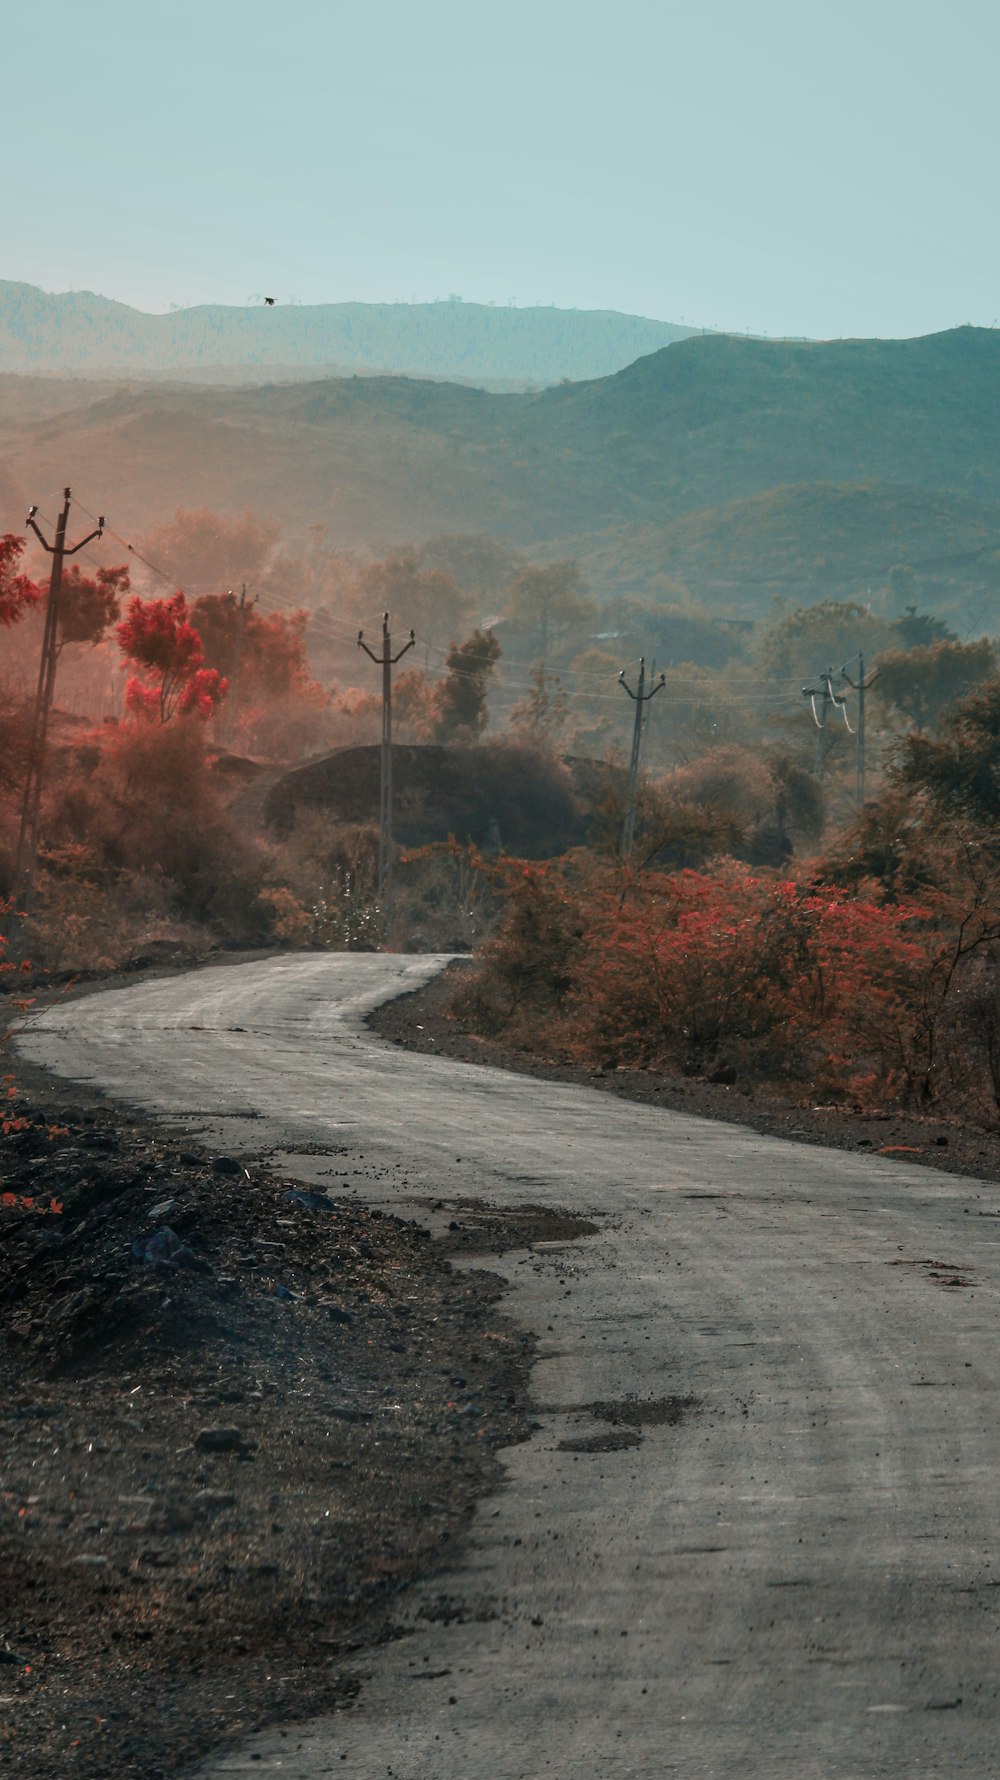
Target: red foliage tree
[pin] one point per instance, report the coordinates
(159, 638)
(17, 591)
(270, 650)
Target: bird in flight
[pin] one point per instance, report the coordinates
(270, 301)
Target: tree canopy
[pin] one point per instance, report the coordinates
(159, 638)
(18, 593)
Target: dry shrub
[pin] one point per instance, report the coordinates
(528, 969)
(83, 919)
(729, 780)
(331, 872)
(444, 901)
(144, 800)
(698, 970)
(15, 739)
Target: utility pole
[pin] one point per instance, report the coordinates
(27, 842)
(234, 688)
(860, 686)
(829, 701)
(387, 662)
(640, 698)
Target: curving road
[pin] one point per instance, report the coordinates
(802, 1576)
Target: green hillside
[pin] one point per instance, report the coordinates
(820, 540)
(742, 468)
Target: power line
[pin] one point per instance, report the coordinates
(321, 619)
(829, 701)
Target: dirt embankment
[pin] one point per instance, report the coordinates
(238, 1418)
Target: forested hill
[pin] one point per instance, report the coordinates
(746, 468)
(469, 342)
(705, 422)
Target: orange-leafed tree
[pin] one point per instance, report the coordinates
(158, 638)
(17, 591)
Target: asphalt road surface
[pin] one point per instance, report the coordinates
(801, 1575)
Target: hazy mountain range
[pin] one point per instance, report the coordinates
(79, 332)
(745, 469)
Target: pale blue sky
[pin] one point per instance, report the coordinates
(792, 169)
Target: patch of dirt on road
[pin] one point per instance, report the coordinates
(238, 1418)
(644, 1412)
(424, 1021)
(482, 1229)
(618, 1440)
(626, 1419)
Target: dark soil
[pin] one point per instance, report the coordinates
(236, 1422)
(424, 1021)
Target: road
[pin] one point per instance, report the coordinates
(799, 1577)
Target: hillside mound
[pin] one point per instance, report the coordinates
(500, 794)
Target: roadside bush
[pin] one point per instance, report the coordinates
(444, 900)
(330, 870)
(732, 780)
(527, 970)
(771, 980)
(729, 970)
(88, 919)
(143, 800)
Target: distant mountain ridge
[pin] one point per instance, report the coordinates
(78, 332)
(745, 471)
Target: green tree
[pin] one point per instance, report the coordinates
(960, 771)
(813, 638)
(542, 714)
(460, 710)
(922, 683)
(918, 630)
(89, 605)
(17, 592)
(547, 603)
(480, 564)
(428, 601)
(207, 552)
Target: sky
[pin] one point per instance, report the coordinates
(787, 169)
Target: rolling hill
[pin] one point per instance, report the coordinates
(739, 466)
(819, 540)
(78, 332)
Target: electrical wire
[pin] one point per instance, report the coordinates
(323, 620)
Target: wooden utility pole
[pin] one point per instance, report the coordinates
(640, 698)
(387, 662)
(234, 688)
(860, 686)
(27, 841)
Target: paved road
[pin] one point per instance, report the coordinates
(802, 1577)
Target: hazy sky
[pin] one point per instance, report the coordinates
(789, 168)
